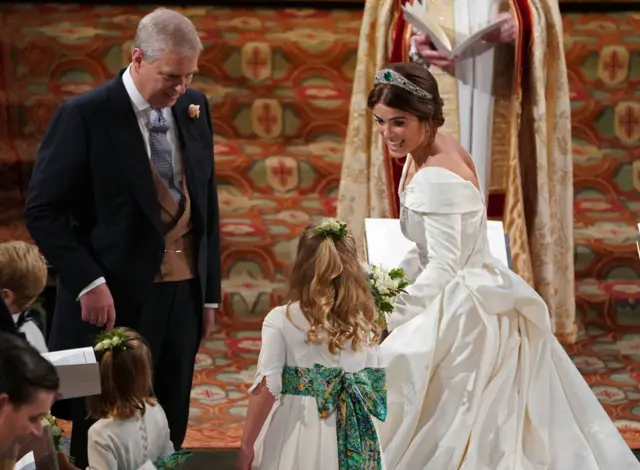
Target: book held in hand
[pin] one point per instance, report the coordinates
(448, 43)
(78, 372)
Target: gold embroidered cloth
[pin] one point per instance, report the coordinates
(531, 152)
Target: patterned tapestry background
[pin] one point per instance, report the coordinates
(279, 87)
(603, 59)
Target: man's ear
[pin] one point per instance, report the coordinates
(8, 296)
(4, 401)
(136, 58)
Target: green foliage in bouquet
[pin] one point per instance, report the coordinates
(385, 287)
(56, 430)
(51, 422)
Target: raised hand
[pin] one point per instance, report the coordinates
(505, 34)
(428, 52)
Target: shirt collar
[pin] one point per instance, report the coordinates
(139, 103)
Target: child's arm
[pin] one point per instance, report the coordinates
(260, 403)
(168, 448)
(99, 452)
(266, 389)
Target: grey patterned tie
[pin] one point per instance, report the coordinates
(161, 154)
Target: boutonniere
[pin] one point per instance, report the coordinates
(194, 111)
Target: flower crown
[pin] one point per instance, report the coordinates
(108, 340)
(332, 228)
(391, 77)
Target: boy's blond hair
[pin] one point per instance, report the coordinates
(23, 271)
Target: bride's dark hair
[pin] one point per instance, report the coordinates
(398, 98)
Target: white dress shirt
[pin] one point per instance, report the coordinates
(33, 334)
(145, 114)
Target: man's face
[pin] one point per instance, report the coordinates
(19, 423)
(163, 81)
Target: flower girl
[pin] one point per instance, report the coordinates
(318, 382)
(132, 430)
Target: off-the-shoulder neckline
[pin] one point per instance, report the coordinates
(446, 170)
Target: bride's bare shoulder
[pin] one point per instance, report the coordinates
(455, 163)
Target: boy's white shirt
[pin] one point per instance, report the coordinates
(33, 334)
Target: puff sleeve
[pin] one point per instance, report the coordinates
(273, 351)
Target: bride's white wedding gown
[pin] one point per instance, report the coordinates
(476, 380)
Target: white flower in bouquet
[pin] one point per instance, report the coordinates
(385, 287)
(56, 430)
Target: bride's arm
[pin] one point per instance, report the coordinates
(443, 234)
(437, 198)
(411, 263)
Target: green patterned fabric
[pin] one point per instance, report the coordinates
(173, 461)
(354, 397)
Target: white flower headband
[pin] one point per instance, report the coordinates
(332, 228)
(108, 341)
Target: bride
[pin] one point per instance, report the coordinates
(476, 380)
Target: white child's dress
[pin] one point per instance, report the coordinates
(129, 444)
(294, 436)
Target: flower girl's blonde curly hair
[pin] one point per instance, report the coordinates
(328, 281)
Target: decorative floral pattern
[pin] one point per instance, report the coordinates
(310, 76)
(173, 461)
(354, 397)
(278, 81)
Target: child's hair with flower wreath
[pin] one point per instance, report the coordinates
(126, 375)
(328, 281)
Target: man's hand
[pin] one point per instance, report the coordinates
(97, 307)
(505, 34)
(428, 52)
(208, 321)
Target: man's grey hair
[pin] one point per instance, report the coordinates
(166, 30)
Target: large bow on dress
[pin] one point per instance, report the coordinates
(355, 397)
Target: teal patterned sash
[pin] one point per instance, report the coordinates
(355, 397)
(173, 461)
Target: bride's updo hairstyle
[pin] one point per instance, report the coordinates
(426, 109)
(329, 282)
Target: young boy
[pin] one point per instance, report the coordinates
(23, 276)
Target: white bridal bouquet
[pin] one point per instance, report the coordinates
(56, 431)
(385, 286)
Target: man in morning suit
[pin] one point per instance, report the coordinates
(122, 202)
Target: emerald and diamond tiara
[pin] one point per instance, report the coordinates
(390, 77)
